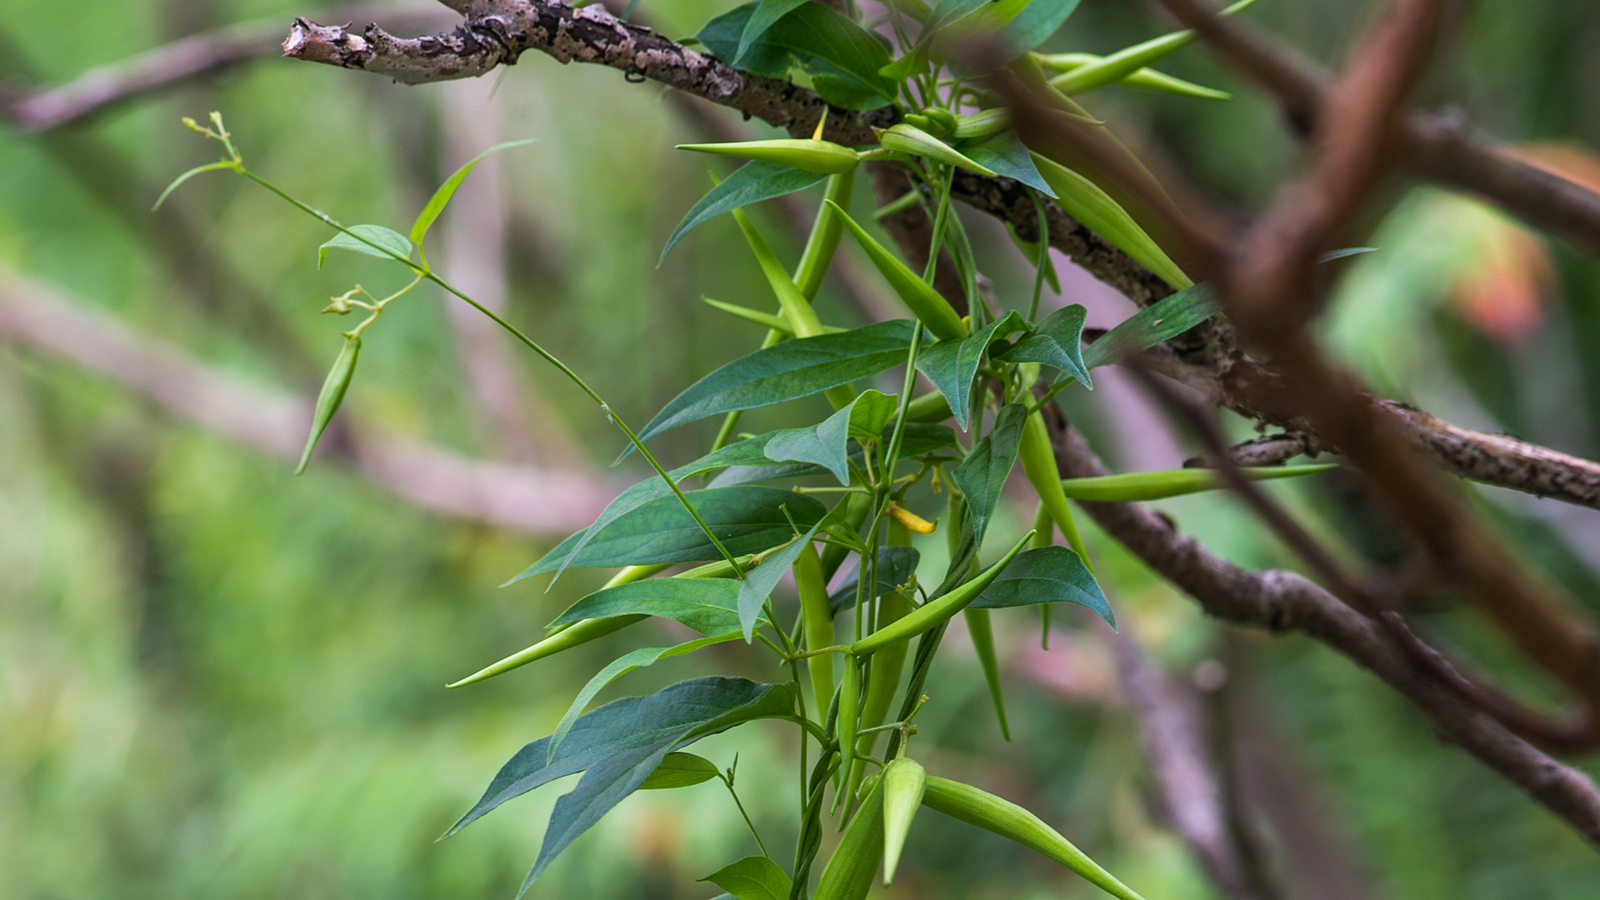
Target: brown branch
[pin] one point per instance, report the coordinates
(1285, 602)
(1434, 146)
(522, 498)
(174, 63)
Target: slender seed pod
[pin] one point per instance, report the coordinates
(944, 120)
(849, 709)
(886, 666)
(930, 407)
(1039, 464)
(580, 633)
(332, 394)
(802, 318)
(1010, 821)
(924, 302)
(937, 611)
(824, 238)
(825, 157)
(1090, 204)
(848, 875)
(817, 621)
(904, 781)
(1135, 486)
(908, 138)
(982, 632)
(1131, 59)
(1148, 79)
(983, 124)
(630, 574)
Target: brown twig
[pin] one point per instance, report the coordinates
(521, 498)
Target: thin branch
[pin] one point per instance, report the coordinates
(522, 498)
(1285, 602)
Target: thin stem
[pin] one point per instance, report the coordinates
(1042, 258)
(735, 794)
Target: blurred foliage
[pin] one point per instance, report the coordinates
(219, 680)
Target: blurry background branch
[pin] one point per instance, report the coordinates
(520, 497)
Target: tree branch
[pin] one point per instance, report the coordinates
(521, 498)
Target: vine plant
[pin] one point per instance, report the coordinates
(853, 693)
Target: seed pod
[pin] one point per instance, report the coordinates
(817, 618)
(1136, 486)
(1090, 204)
(825, 157)
(944, 120)
(856, 507)
(908, 138)
(1125, 62)
(1147, 79)
(886, 666)
(982, 633)
(1039, 464)
(824, 239)
(936, 611)
(332, 394)
(580, 633)
(848, 875)
(849, 708)
(924, 302)
(903, 784)
(1010, 821)
(930, 407)
(983, 124)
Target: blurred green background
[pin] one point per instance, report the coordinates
(219, 680)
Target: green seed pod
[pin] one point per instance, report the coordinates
(849, 873)
(580, 633)
(983, 124)
(802, 318)
(817, 619)
(944, 120)
(1039, 464)
(1148, 79)
(982, 632)
(909, 139)
(856, 508)
(924, 302)
(903, 784)
(1010, 821)
(849, 709)
(824, 239)
(868, 785)
(918, 120)
(1125, 62)
(1137, 486)
(332, 394)
(1090, 204)
(825, 157)
(928, 408)
(936, 611)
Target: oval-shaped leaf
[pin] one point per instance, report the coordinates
(753, 878)
(953, 364)
(1007, 156)
(1058, 343)
(1161, 321)
(982, 475)
(1046, 575)
(680, 770)
(373, 240)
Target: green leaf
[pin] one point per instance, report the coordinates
(1046, 575)
(373, 240)
(441, 197)
(619, 745)
(637, 659)
(754, 182)
(1150, 326)
(1058, 342)
(1141, 486)
(1006, 155)
(753, 878)
(787, 371)
(706, 605)
(953, 364)
(828, 443)
(747, 519)
(763, 17)
(1013, 26)
(842, 58)
(758, 582)
(982, 475)
(680, 770)
(896, 567)
(947, 11)
(1087, 202)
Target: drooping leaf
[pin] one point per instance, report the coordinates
(747, 519)
(827, 444)
(753, 878)
(1007, 156)
(953, 364)
(636, 659)
(787, 371)
(763, 17)
(896, 567)
(441, 197)
(619, 745)
(680, 770)
(1150, 326)
(982, 475)
(1046, 575)
(1058, 342)
(758, 582)
(754, 182)
(373, 240)
(707, 605)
